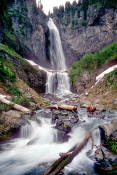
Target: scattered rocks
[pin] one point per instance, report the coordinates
(64, 120)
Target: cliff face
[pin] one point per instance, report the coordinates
(25, 29)
(86, 31)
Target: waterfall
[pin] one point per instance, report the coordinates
(58, 79)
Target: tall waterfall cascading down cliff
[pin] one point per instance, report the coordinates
(57, 79)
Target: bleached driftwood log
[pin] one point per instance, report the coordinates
(15, 106)
(65, 107)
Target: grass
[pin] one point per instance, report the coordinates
(17, 96)
(11, 52)
(111, 79)
(6, 72)
(113, 145)
(24, 101)
(90, 62)
(13, 90)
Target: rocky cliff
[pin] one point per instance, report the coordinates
(25, 29)
(86, 28)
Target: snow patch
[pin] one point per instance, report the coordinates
(110, 69)
(44, 69)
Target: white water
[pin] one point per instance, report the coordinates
(38, 146)
(57, 80)
(57, 83)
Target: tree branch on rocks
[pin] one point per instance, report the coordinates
(66, 158)
(65, 107)
(15, 106)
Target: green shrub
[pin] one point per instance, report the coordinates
(6, 73)
(24, 101)
(13, 90)
(113, 145)
(17, 96)
(91, 62)
(11, 52)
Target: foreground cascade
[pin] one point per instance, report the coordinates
(57, 78)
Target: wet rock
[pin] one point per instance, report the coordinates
(37, 108)
(99, 154)
(62, 136)
(59, 124)
(11, 121)
(105, 161)
(108, 154)
(66, 128)
(63, 126)
(108, 129)
(74, 120)
(54, 118)
(103, 166)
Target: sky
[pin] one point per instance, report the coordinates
(49, 4)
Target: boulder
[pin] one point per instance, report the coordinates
(11, 120)
(108, 129)
(99, 154)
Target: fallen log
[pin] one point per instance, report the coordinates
(66, 158)
(65, 107)
(15, 106)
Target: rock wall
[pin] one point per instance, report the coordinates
(34, 78)
(99, 30)
(25, 30)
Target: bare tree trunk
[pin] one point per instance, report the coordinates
(65, 107)
(15, 106)
(67, 158)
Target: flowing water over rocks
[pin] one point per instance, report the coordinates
(49, 133)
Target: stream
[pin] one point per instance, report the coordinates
(39, 142)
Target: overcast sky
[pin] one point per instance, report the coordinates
(49, 4)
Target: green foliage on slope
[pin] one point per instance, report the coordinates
(11, 52)
(6, 73)
(91, 62)
(8, 76)
(113, 145)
